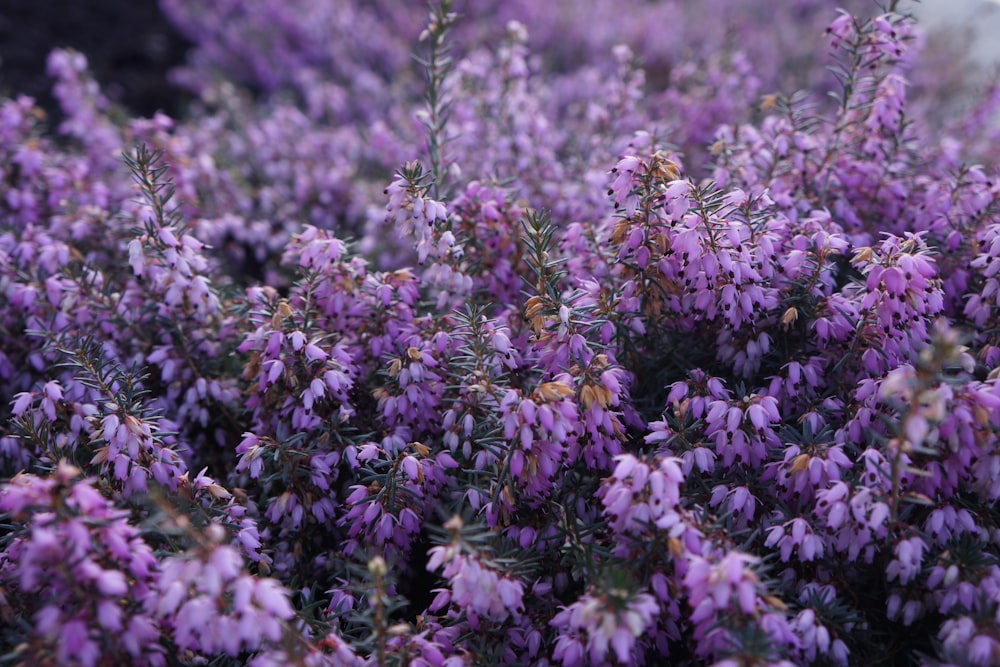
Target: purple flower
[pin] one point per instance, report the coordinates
(475, 587)
(210, 605)
(594, 626)
(80, 570)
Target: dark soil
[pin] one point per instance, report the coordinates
(129, 44)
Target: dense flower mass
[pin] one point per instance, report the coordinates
(598, 333)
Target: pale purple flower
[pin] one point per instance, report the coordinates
(475, 586)
(596, 626)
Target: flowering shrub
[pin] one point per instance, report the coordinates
(596, 336)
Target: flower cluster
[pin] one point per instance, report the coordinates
(475, 587)
(593, 628)
(79, 571)
(700, 360)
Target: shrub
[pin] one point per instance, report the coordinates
(539, 351)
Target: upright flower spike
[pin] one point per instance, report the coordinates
(169, 257)
(725, 586)
(412, 211)
(436, 114)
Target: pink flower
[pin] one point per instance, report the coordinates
(597, 624)
(477, 587)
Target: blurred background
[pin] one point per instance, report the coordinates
(972, 23)
(131, 46)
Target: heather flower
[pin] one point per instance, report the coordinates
(387, 513)
(909, 554)
(742, 429)
(412, 211)
(478, 589)
(640, 496)
(714, 585)
(795, 535)
(474, 585)
(694, 401)
(981, 306)
(541, 429)
(855, 519)
(413, 389)
(133, 454)
(82, 573)
(84, 106)
(819, 636)
(483, 247)
(728, 587)
(594, 627)
(963, 642)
